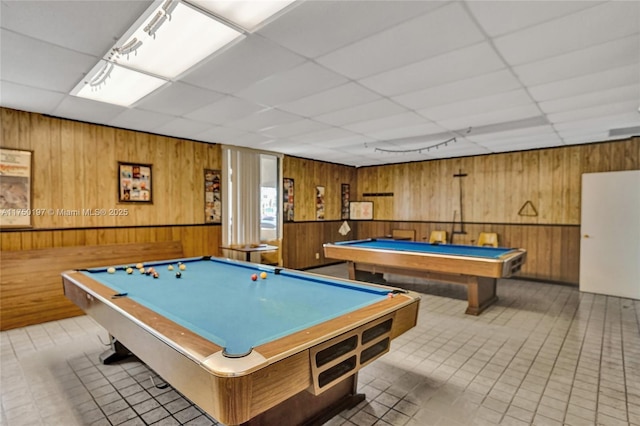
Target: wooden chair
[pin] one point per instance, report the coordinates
(403, 234)
(273, 258)
(439, 237)
(488, 239)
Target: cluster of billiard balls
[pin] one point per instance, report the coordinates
(149, 271)
(263, 275)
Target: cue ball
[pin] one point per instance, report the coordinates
(263, 275)
(111, 270)
(170, 267)
(129, 271)
(178, 274)
(182, 267)
(254, 277)
(139, 265)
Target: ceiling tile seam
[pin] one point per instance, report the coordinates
(509, 67)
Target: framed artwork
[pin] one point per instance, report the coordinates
(134, 183)
(287, 198)
(15, 188)
(344, 211)
(212, 196)
(361, 210)
(319, 202)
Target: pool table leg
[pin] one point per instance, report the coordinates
(117, 352)
(481, 294)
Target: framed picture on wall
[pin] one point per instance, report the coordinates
(15, 189)
(319, 202)
(344, 211)
(212, 196)
(287, 199)
(361, 210)
(134, 183)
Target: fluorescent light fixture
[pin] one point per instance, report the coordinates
(248, 14)
(111, 83)
(170, 38)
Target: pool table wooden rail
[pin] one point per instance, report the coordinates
(250, 392)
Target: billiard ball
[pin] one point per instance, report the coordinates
(141, 270)
(178, 274)
(254, 277)
(129, 271)
(263, 275)
(139, 265)
(170, 267)
(156, 275)
(390, 296)
(111, 270)
(182, 266)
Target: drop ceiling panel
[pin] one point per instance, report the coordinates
(296, 128)
(136, 119)
(605, 56)
(369, 111)
(477, 106)
(220, 134)
(451, 66)
(291, 85)
(315, 28)
(337, 98)
(592, 26)
(262, 120)
(178, 99)
(408, 131)
(61, 22)
(470, 88)
(28, 98)
(224, 110)
(406, 43)
(387, 123)
(246, 62)
(87, 110)
(611, 78)
(531, 132)
(493, 117)
(35, 63)
(611, 96)
(521, 14)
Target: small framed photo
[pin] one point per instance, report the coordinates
(15, 188)
(134, 183)
(288, 199)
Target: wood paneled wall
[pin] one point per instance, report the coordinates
(426, 195)
(197, 240)
(496, 186)
(307, 174)
(75, 167)
(303, 240)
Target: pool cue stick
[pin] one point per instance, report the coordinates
(453, 227)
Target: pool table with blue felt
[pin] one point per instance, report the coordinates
(281, 350)
(476, 267)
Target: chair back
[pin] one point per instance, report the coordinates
(439, 237)
(488, 239)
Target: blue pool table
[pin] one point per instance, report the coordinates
(476, 267)
(284, 349)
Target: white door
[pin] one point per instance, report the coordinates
(610, 226)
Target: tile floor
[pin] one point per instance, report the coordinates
(544, 355)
